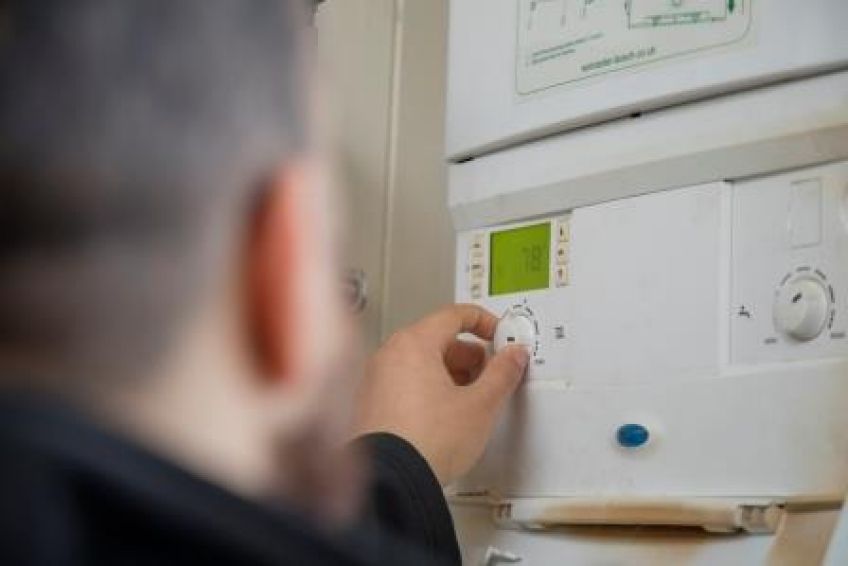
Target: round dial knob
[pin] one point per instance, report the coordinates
(516, 327)
(801, 309)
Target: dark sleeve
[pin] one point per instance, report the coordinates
(407, 499)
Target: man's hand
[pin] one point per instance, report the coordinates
(438, 392)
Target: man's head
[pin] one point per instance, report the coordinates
(163, 230)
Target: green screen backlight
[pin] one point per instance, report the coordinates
(520, 259)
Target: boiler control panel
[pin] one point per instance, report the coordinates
(790, 267)
(672, 285)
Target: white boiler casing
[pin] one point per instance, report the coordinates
(523, 69)
(682, 273)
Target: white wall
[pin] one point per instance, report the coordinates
(420, 251)
(386, 66)
(356, 41)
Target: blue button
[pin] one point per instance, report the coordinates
(632, 435)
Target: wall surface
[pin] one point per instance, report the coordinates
(385, 61)
(420, 245)
(356, 43)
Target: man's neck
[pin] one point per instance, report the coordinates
(203, 411)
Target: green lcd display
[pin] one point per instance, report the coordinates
(520, 259)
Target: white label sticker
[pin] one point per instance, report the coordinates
(564, 41)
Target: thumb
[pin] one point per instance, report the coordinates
(502, 375)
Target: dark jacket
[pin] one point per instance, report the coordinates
(71, 493)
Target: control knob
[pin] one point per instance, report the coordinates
(516, 327)
(801, 309)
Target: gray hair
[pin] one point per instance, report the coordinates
(133, 137)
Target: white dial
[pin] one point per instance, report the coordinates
(516, 327)
(801, 309)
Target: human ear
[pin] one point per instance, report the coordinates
(273, 260)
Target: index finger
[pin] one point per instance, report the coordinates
(443, 325)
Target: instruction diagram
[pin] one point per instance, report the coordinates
(564, 41)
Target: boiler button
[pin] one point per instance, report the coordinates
(561, 275)
(476, 291)
(563, 228)
(477, 242)
(562, 253)
(632, 435)
(476, 271)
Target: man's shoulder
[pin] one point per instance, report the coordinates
(73, 494)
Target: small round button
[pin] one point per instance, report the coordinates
(516, 327)
(632, 435)
(801, 309)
